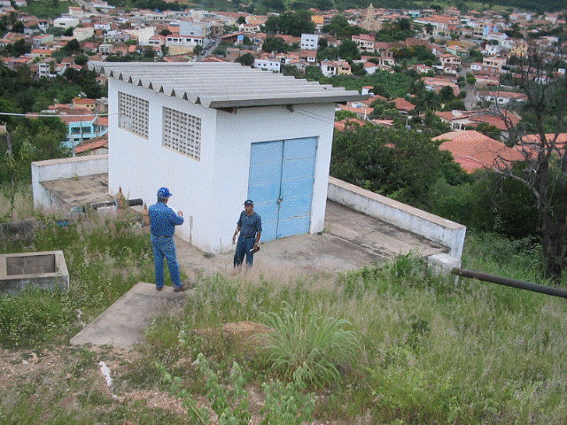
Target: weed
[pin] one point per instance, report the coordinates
(307, 345)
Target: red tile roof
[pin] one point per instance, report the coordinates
(403, 105)
(473, 150)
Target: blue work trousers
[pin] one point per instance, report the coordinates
(165, 247)
(243, 247)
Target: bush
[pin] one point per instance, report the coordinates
(309, 346)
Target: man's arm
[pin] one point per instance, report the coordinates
(235, 233)
(258, 231)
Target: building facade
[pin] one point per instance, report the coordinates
(239, 133)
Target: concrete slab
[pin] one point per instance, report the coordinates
(125, 322)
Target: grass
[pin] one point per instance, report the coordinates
(391, 345)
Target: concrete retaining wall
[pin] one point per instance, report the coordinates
(437, 229)
(64, 168)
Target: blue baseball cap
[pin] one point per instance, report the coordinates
(248, 202)
(163, 192)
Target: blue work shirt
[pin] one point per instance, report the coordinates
(249, 224)
(163, 220)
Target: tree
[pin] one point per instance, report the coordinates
(544, 152)
(241, 20)
(348, 50)
(395, 162)
(340, 28)
(81, 60)
(275, 44)
(246, 59)
(72, 46)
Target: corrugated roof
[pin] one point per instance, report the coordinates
(224, 85)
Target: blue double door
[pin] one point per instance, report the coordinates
(281, 185)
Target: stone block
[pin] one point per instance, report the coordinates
(45, 270)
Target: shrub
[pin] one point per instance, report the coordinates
(307, 345)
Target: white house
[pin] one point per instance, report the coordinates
(216, 134)
(309, 41)
(273, 65)
(66, 23)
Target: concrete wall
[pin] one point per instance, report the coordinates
(64, 168)
(43, 270)
(437, 229)
(210, 191)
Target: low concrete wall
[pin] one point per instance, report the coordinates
(64, 168)
(435, 228)
(45, 270)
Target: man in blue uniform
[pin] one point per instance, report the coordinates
(250, 227)
(162, 226)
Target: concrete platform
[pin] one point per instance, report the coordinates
(351, 240)
(125, 322)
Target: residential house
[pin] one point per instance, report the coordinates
(66, 22)
(501, 98)
(42, 40)
(403, 106)
(328, 68)
(49, 68)
(83, 33)
(98, 146)
(84, 102)
(309, 41)
(439, 25)
(364, 42)
(493, 65)
(475, 151)
(450, 63)
(83, 127)
(41, 53)
(268, 64)
(309, 56)
(239, 131)
(437, 83)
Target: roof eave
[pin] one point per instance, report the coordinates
(250, 103)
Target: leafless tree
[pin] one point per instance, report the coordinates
(541, 140)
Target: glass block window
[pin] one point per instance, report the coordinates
(182, 133)
(133, 114)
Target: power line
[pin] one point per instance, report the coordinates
(52, 115)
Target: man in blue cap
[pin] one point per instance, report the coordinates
(162, 226)
(250, 227)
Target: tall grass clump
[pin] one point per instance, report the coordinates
(309, 345)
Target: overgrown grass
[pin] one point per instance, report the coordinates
(432, 350)
(105, 258)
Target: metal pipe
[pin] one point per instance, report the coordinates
(134, 202)
(521, 284)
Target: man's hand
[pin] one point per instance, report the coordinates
(180, 213)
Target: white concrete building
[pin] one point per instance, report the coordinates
(216, 134)
(309, 41)
(66, 23)
(83, 33)
(273, 65)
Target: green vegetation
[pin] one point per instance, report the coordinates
(47, 9)
(395, 162)
(387, 344)
(105, 259)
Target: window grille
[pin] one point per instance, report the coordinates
(133, 114)
(182, 133)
